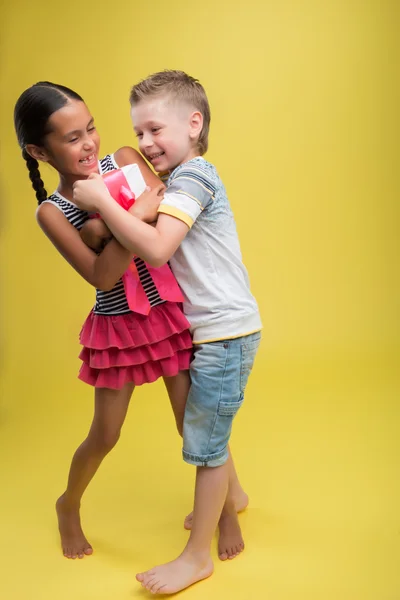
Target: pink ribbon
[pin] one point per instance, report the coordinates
(164, 281)
(119, 188)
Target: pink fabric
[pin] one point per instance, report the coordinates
(119, 189)
(134, 291)
(135, 348)
(164, 281)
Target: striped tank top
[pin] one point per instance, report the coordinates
(113, 302)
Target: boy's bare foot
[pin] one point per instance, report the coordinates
(230, 543)
(73, 542)
(176, 575)
(241, 502)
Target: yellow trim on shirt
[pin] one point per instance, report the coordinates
(175, 212)
(232, 337)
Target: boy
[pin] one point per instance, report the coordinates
(196, 232)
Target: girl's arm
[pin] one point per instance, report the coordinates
(128, 156)
(95, 234)
(101, 271)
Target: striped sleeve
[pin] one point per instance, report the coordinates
(188, 194)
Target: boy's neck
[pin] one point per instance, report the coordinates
(194, 153)
(190, 156)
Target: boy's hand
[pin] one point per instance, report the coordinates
(146, 206)
(95, 234)
(90, 192)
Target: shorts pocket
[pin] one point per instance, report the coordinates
(248, 354)
(229, 409)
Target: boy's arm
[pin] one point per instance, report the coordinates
(156, 244)
(186, 197)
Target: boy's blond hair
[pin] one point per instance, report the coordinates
(179, 86)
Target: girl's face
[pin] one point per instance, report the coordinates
(72, 146)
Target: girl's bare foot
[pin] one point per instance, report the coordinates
(73, 542)
(176, 575)
(241, 502)
(230, 543)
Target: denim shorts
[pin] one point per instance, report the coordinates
(219, 373)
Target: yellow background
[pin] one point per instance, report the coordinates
(304, 98)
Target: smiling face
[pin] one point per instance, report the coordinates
(72, 144)
(167, 131)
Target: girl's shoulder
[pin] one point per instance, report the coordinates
(127, 156)
(121, 157)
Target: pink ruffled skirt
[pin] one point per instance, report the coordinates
(135, 348)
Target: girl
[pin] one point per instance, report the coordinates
(121, 348)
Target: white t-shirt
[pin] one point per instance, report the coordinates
(208, 264)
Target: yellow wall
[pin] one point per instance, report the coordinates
(304, 120)
(301, 98)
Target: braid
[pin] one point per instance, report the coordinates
(34, 175)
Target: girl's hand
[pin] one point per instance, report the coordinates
(146, 206)
(90, 193)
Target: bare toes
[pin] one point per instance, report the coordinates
(149, 584)
(154, 587)
(147, 578)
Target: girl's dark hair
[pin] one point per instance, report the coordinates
(31, 115)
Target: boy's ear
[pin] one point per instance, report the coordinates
(195, 124)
